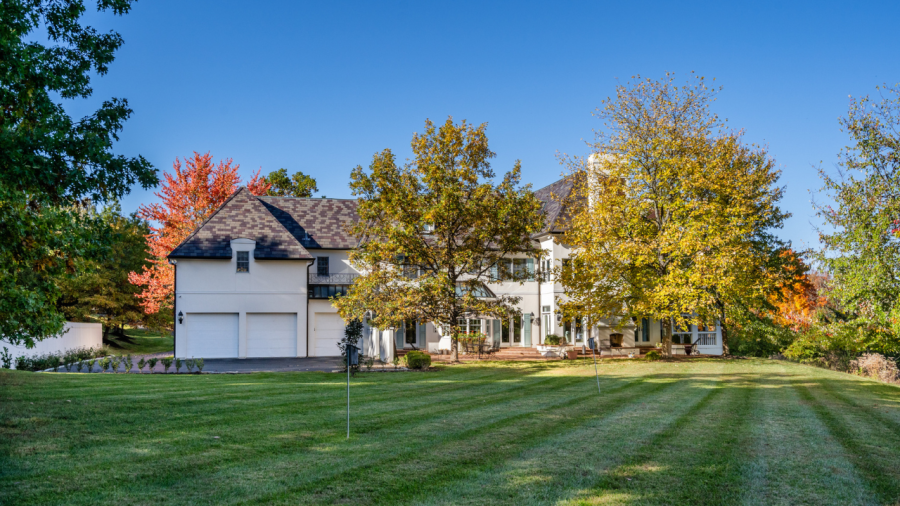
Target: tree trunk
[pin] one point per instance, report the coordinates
(667, 337)
(454, 342)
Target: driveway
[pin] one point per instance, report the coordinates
(238, 365)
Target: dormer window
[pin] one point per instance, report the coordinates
(243, 261)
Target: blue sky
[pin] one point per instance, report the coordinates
(321, 86)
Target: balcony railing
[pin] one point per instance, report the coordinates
(332, 279)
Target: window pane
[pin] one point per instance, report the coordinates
(322, 266)
(517, 330)
(243, 261)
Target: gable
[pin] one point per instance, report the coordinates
(241, 216)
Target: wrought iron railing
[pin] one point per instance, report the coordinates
(340, 278)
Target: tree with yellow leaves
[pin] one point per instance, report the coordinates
(672, 217)
(434, 230)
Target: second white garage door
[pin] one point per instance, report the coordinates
(329, 331)
(271, 334)
(211, 335)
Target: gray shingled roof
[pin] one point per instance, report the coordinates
(286, 227)
(241, 216)
(316, 223)
(553, 196)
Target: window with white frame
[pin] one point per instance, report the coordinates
(243, 261)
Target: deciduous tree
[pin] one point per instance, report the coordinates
(298, 185)
(432, 230)
(861, 239)
(672, 218)
(189, 195)
(49, 162)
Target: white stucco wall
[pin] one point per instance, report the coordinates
(74, 335)
(215, 286)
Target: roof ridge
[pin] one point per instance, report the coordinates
(211, 216)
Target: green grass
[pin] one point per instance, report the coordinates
(698, 432)
(140, 342)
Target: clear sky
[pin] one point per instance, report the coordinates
(321, 86)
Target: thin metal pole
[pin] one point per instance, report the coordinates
(595, 371)
(348, 394)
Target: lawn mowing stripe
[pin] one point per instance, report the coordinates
(464, 450)
(571, 459)
(447, 434)
(639, 476)
(884, 479)
(793, 458)
(183, 448)
(887, 415)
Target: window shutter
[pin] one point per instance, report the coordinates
(496, 336)
(421, 334)
(645, 329)
(529, 266)
(527, 324)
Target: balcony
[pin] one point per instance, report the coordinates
(341, 278)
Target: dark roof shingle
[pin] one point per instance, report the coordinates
(241, 216)
(316, 223)
(554, 197)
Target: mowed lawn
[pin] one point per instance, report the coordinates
(691, 432)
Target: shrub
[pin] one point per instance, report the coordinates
(199, 363)
(90, 365)
(177, 365)
(189, 363)
(352, 334)
(79, 365)
(152, 363)
(552, 340)
(418, 360)
(6, 358)
(129, 363)
(104, 364)
(167, 363)
(23, 363)
(141, 364)
(654, 355)
(875, 365)
(370, 361)
(114, 363)
(396, 361)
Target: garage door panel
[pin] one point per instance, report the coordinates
(212, 335)
(271, 334)
(328, 333)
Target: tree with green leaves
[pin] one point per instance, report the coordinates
(100, 291)
(861, 240)
(672, 217)
(432, 230)
(297, 185)
(51, 165)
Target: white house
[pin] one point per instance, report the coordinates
(254, 280)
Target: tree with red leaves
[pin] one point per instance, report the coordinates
(189, 196)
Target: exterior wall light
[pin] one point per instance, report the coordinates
(558, 318)
(180, 317)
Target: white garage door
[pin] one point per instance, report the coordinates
(212, 335)
(329, 331)
(271, 334)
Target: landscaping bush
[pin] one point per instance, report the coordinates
(6, 358)
(114, 363)
(199, 363)
(152, 363)
(178, 364)
(189, 363)
(552, 340)
(167, 363)
(653, 355)
(129, 363)
(418, 360)
(142, 363)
